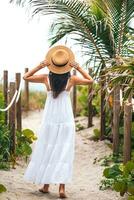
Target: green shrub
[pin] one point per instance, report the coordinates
(110, 159)
(2, 188)
(96, 134)
(2, 114)
(24, 140)
(79, 127)
(82, 100)
(122, 178)
(4, 143)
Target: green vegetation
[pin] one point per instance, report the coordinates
(96, 134)
(36, 100)
(24, 140)
(110, 159)
(2, 188)
(79, 127)
(82, 100)
(120, 177)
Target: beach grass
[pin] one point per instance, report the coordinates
(36, 100)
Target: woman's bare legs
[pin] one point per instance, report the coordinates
(62, 191)
(44, 189)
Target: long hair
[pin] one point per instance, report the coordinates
(58, 82)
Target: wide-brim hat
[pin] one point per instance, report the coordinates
(59, 58)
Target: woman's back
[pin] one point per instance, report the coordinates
(59, 109)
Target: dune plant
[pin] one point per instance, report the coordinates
(122, 178)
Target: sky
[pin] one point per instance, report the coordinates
(24, 41)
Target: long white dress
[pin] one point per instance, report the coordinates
(52, 158)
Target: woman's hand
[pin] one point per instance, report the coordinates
(74, 64)
(44, 63)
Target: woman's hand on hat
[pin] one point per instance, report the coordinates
(44, 63)
(74, 64)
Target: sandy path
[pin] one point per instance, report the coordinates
(86, 177)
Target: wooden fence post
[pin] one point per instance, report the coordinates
(5, 92)
(74, 96)
(127, 130)
(116, 117)
(18, 105)
(90, 107)
(103, 112)
(26, 90)
(12, 123)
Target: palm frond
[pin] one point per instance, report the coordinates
(74, 17)
(100, 27)
(122, 75)
(121, 13)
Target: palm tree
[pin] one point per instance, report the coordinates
(122, 75)
(100, 27)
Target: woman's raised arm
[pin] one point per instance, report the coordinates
(85, 80)
(29, 76)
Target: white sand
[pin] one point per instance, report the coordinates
(86, 177)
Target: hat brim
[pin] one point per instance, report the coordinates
(62, 69)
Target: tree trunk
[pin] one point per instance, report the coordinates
(127, 130)
(90, 107)
(18, 104)
(102, 122)
(116, 119)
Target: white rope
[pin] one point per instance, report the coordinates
(19, 91)
(15, 97)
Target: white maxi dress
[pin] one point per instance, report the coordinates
(53, 154)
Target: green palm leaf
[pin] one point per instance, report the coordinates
(100, 27)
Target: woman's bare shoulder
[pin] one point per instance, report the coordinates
(77, 80)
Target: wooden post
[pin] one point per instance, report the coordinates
(18, 105)
(90, 108)
(26, 93)
(5, 92)
(12, 122)
(127, 130)
(103, 113)
(116, 118)
(74, 96)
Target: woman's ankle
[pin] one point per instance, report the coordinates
(62, 187)
(46, 185)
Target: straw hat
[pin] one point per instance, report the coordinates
(59, 58)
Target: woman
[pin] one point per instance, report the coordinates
(53, 155)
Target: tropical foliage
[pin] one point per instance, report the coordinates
(121, 177)
(24, 139)
(82, 99)
(122, 75)
(2, 188)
